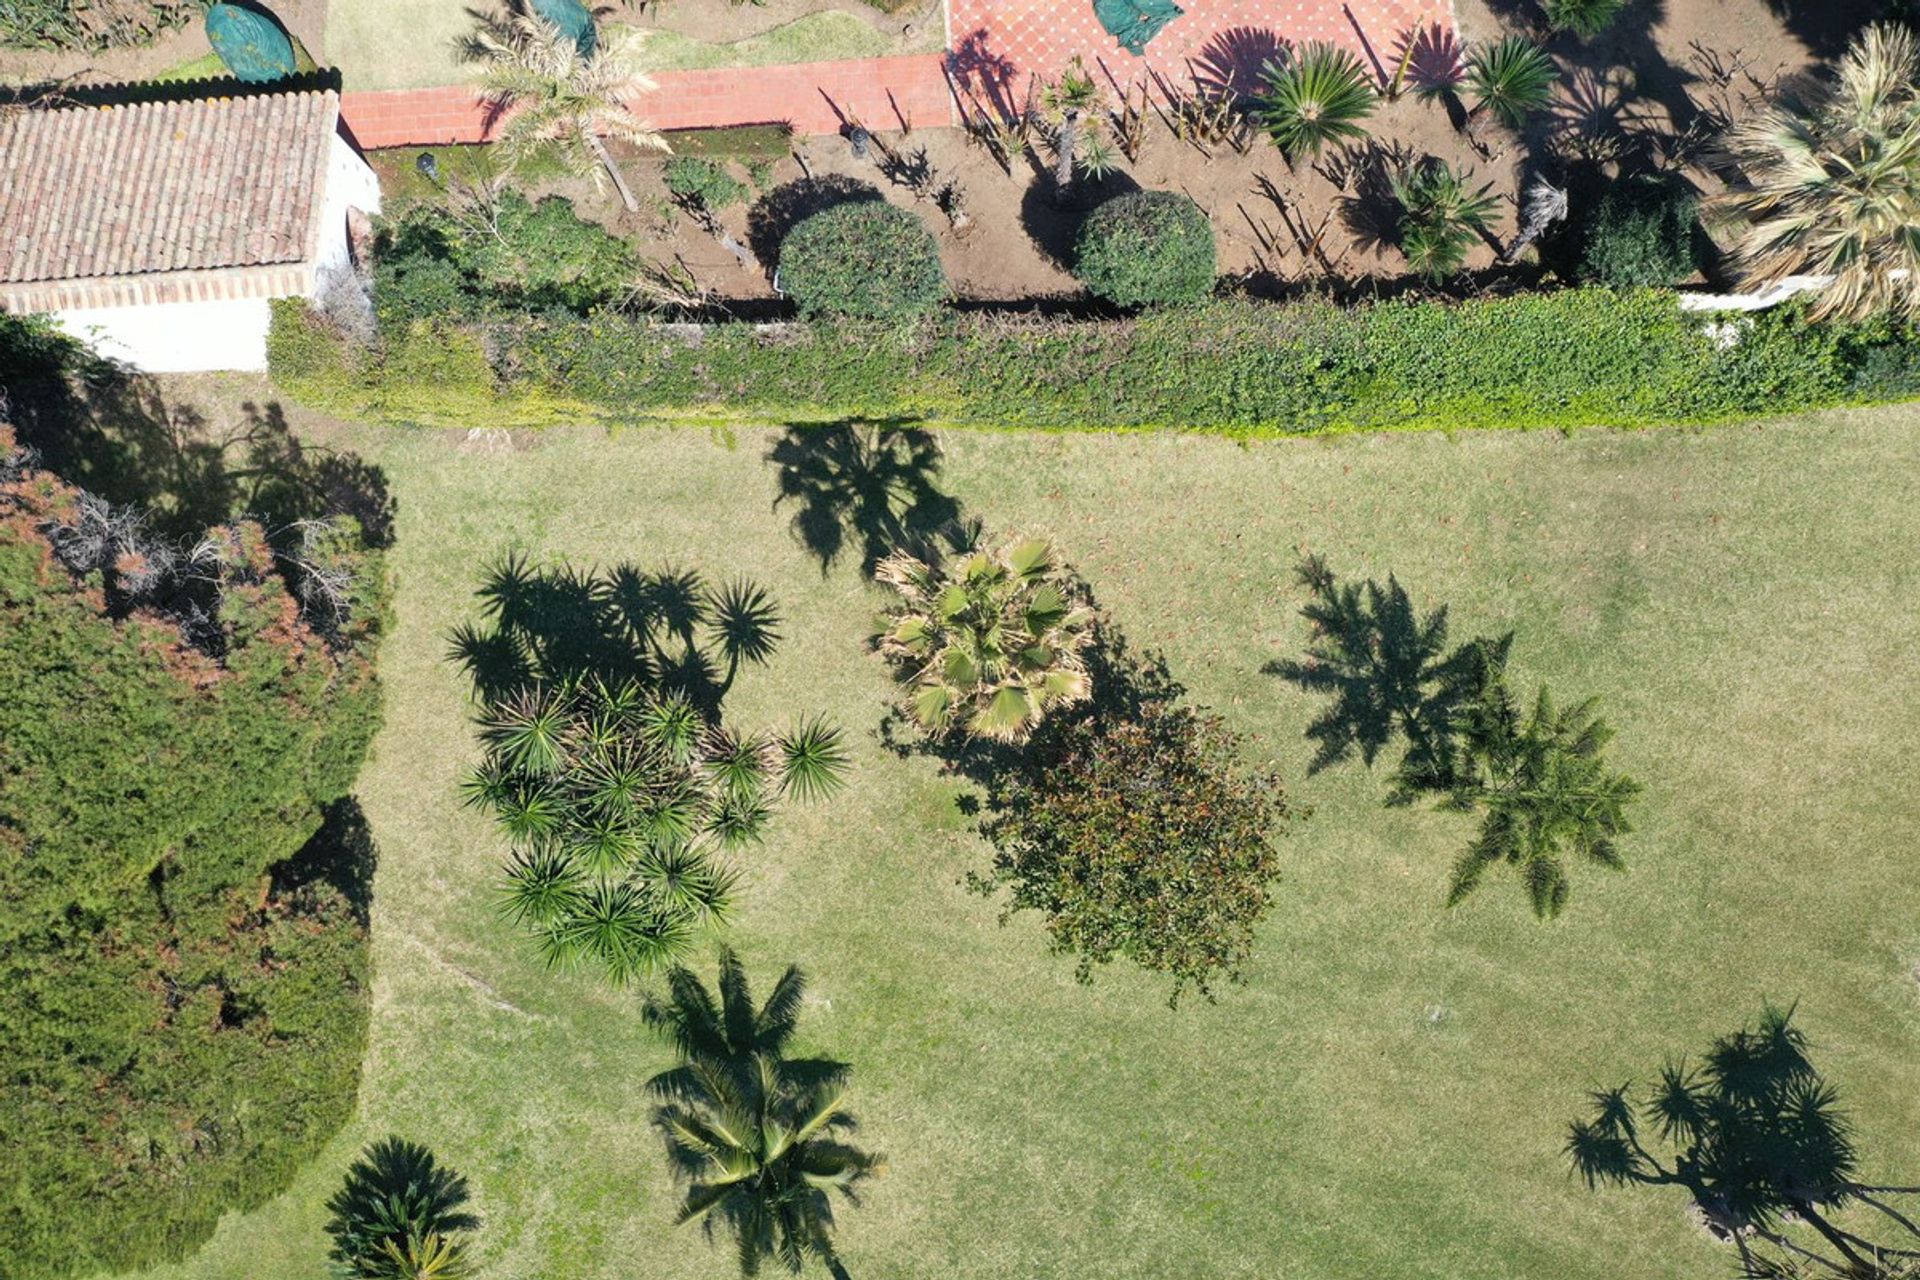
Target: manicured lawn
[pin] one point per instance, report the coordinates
(1387, 1098)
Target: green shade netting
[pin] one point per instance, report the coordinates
(1134, 22)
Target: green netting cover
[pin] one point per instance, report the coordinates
(252, 45)
(573, 19)
(1134, 22)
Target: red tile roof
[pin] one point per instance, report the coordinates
(88, 192)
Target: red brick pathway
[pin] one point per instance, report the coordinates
(815, 97)
(999, 44)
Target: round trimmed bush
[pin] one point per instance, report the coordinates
(868, 260)
(1640, 233)
(1146, 247)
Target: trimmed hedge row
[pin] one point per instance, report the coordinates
(1588, 357)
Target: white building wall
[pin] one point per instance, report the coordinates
(177, 337)
(351, 184)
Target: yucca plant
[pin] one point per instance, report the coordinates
(620, 803)
(400, 1215)
(757, 1139)
(1584, 18)
(1440, 217)
(1316, 94)
(548, 96)
(987, 641)
(1070, 104)
(1511, 78)
(1833, 184)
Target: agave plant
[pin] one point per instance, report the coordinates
(757, 1139)
(1316, 95)
(1585, 18)
(1833, 184)
(547, 95)
(987, 641)
(621, 803)
(1440, 217)
(1512, 78)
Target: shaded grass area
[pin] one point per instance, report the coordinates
(1387, 1097)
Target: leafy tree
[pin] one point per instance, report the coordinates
(1543, 789)
(1139, 835)
(1440, 217)
(1512, 78)
(547, 96)
(1315, 95)
(868, 260)
(1833, 184)
(758, 1138)
(184, 973)
(400, 1215)
(607, 765)
(1146, 247)
(1759, 1142)
(988, 641)
(1585, 18)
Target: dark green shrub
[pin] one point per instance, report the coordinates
(1146, 247)
(546, 255)
(183, 886)
(1584, 18)
(400, 1215)
(1640, 232)
(867, 260)
(1141, 836)
(703, 181)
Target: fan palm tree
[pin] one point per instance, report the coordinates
(1544, 790)
(1833, 184)
(1068, 103)
(987, 642)
(547, 95)
(1512, 78)
(399, 1216)
(1315, 95)
(1440, 217)
(757, 1138)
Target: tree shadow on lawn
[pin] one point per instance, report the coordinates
(873, 484)
(341, 854)
(670, 631)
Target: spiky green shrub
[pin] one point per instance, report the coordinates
(400, 1215)
(1512, 78)
(1316, 94)
(1440, 217)
(864, 260)
(1640, 232)
(1584, 18)
(184, 974)
(987, 641)
(1146, 247)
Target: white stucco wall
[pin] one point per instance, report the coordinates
(351, 184)
(177, 337)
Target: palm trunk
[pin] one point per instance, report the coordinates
(1067, 142)
(613, 171)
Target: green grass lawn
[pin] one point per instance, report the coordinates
(1387, 1097)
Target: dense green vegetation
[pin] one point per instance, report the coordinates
(1146, 247)
(1579, 358)
(184, 976)
(1388, 1093)
(864, 259)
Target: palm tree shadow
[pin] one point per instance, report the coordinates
(869, 484)
(1388, 672)
(669, 631)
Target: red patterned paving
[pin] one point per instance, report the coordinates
(1004, 42)
(813, 96)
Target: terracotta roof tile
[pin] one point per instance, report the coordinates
(91, 191)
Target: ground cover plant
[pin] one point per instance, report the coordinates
(1389, 1091)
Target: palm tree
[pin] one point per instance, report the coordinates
(548, 95)
(757, 1137)
(1543, 787)
(1440, 217)
(987, 642)
(1833, 183)
(398, 1216)
(1316, 95)
(1512, 78)
(1068, 102)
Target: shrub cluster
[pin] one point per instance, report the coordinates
(183, 957)
(864, 260)
(1146, 247)
(1587, 357)
(1640, 233)
(704, 182)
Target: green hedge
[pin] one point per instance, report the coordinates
(1588, 357)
